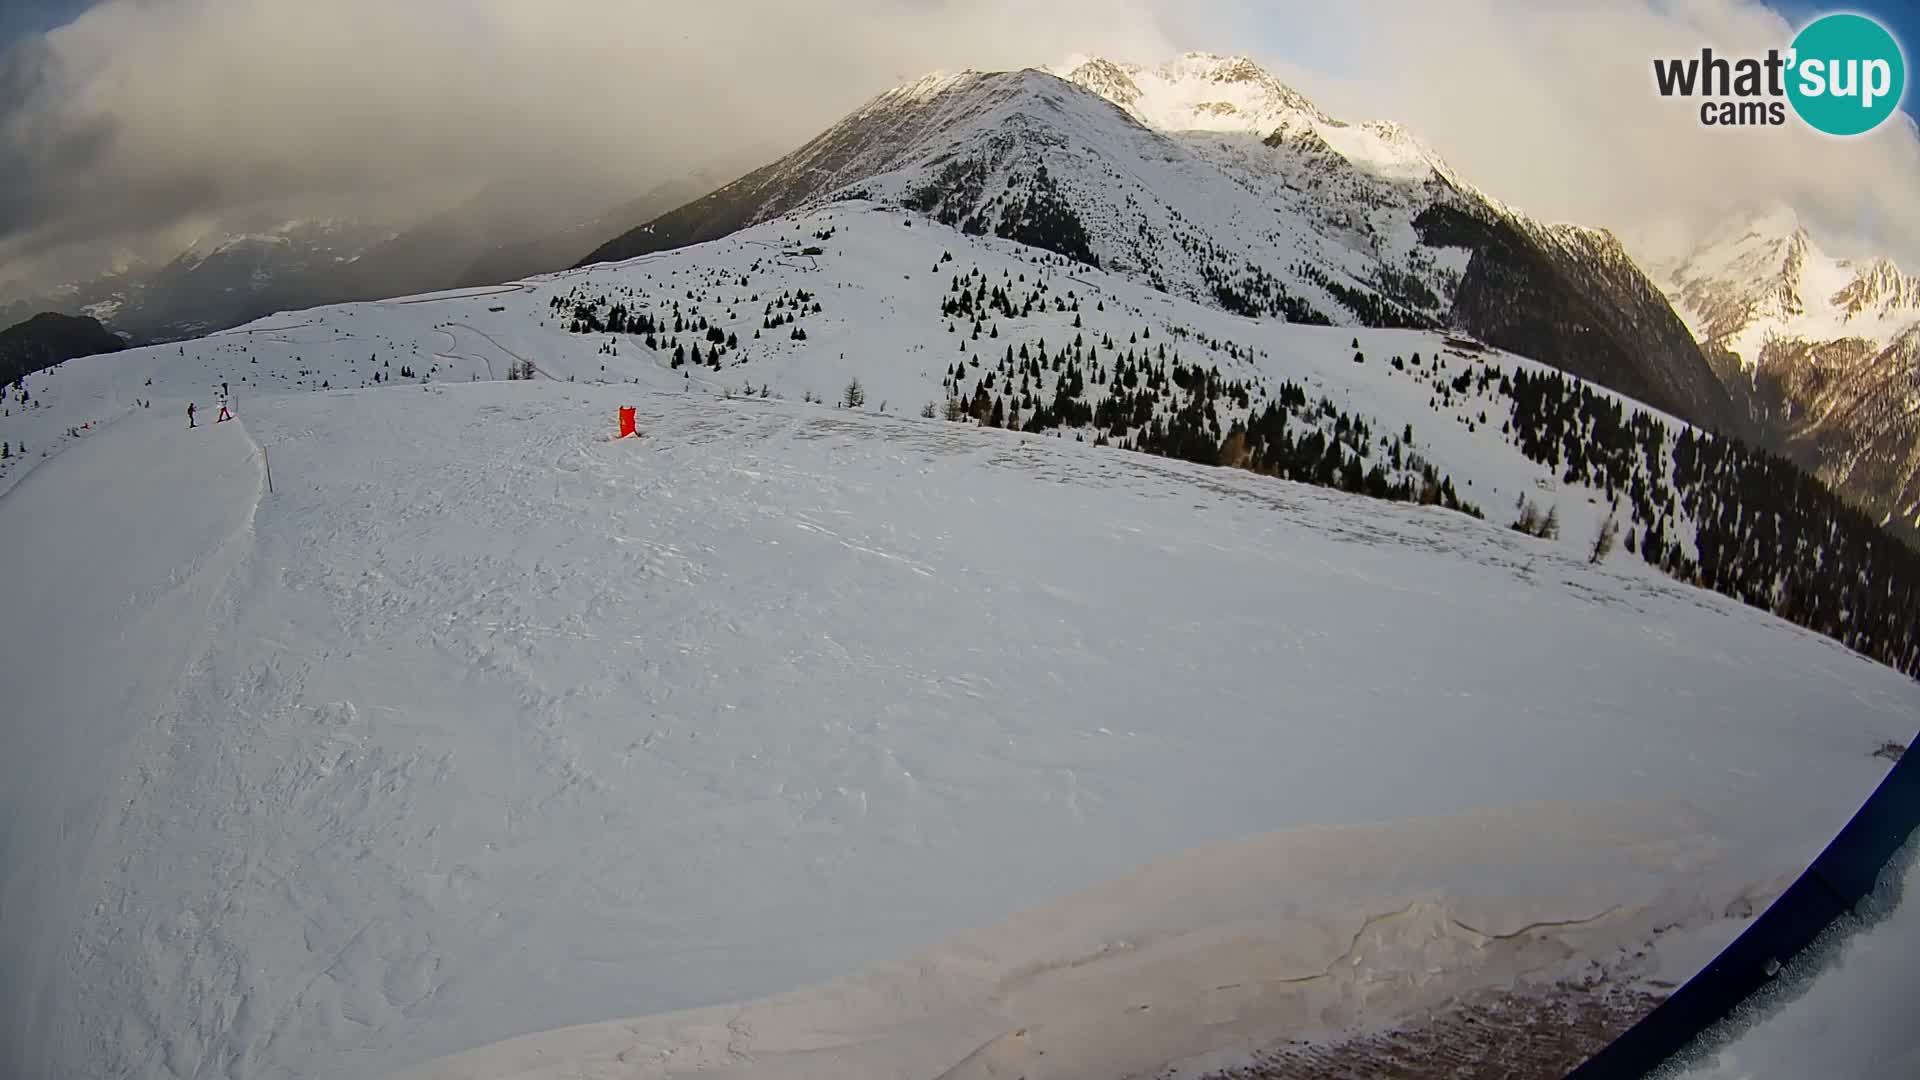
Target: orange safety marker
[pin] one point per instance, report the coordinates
(627, 429)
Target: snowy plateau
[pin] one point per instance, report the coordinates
(411, 725)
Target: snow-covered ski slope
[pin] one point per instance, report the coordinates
(828, 742)
(880, 279)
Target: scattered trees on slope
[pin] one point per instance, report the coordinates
(1764, 532)
(1704, 509)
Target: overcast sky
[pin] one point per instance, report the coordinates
(127, 120)
(1550, 106)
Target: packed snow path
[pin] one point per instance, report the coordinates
(122, 552)
(486, 724)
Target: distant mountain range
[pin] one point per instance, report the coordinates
(1821, 354)
(234, 276)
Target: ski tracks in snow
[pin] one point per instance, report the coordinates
(530, 727)
(90, 676)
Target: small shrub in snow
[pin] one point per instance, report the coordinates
(1532, 522)
(1603, 540)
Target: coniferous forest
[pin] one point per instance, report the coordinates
(1766, 533)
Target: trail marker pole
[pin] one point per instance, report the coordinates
(269, 463)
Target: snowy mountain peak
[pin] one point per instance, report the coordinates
(1760, 277)
(1824, 351)
(1196, 91)
(1771, 230)
(1879, 287)
(327, 236)
(1106, 78)
(1209, 93)
(1391, 131)
(1748, 273)
(930, 85)
(1774, 220)
(1216, 68)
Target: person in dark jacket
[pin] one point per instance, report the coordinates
(189, 414)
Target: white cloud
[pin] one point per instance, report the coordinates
(143, 114)
(147, 117)
(1552, 108)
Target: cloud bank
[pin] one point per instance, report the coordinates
(143, 120)
(143, 116)
(1551, 107)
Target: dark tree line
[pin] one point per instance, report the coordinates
(1256, 293)
(1030, 211)
(1765, 532)
(1370, 308)
(1336, 449)
(1142, 395)
(661, 330)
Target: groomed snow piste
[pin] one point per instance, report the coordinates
(826, 742)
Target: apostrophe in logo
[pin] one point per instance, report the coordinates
(1848, 74)
(1844, 74)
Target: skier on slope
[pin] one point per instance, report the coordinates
(224, 414)
(189, 414)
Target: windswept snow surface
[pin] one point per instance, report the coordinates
(912, 735)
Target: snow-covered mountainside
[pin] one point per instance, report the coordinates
(1010, 342)
(1196, 92)
(48, 339)
(1211, 181)
(225, 277)
(1823, 353)
(868, 715)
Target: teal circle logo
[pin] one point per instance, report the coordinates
(1847, 74)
